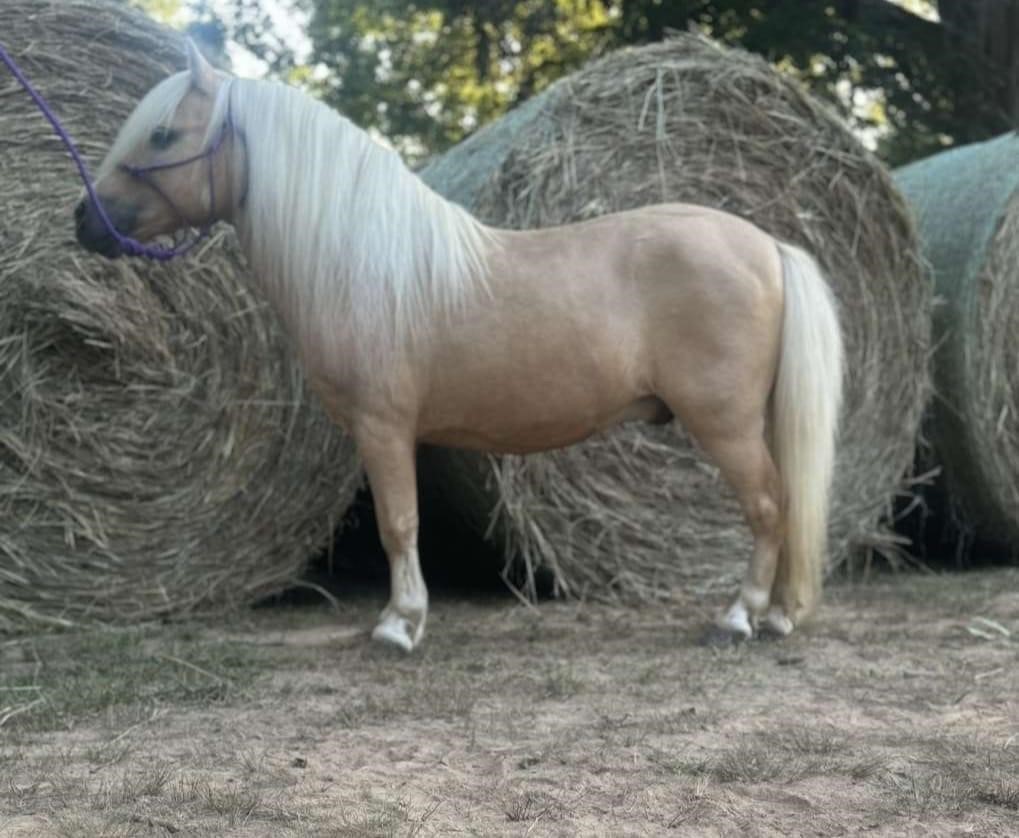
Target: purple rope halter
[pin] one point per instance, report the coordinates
(128, 245)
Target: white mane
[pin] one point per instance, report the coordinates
(351, 245)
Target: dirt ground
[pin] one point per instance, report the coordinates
(896, 713)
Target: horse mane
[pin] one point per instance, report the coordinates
(346, 239)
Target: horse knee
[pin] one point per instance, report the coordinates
(398, 532)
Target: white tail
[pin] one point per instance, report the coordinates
(805, 409)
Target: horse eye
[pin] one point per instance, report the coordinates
(163, 137)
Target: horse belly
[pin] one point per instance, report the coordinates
(525, 407)
(528, 436)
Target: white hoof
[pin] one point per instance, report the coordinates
(397, 631)
(777, 622)
(737, 621)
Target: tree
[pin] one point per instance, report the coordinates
(989, 29)
(427, 72)
(205, 27)
(165, 11)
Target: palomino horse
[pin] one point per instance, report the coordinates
(415, 322)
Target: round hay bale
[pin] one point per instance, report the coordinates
(966, 202)
(159, 453)
(639, 509)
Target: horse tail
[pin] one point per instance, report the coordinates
(805, 407)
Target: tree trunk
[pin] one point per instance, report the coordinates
(989, 28)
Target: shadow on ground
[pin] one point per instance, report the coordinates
(455, 560)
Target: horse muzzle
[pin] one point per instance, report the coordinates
(92, 233)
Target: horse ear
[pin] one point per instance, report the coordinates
(203, 75)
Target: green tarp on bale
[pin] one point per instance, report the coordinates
(966, 203)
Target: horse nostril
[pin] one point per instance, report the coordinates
(79, 212)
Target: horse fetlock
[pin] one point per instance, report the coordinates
(755, 599)
(742, 617)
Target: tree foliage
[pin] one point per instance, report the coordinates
(200, 22)
(427, 72)
(164, 11)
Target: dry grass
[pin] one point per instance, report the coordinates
(160, 453)
(123, 675)
(961, 773)
(837, 729)
(639, 510)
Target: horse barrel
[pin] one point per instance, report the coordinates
(639, 510)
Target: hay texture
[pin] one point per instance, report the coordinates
(966, 203)
(639, 510)
(159, 453)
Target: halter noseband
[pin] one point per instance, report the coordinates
(142, 173)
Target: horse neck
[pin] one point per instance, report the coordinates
(356, 253)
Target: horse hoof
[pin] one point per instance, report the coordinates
(734, 627)
(777, 623)
(737, 622)
(395, 631)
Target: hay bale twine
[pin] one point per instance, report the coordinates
(639, 509)
(159, 453)
(966, 202)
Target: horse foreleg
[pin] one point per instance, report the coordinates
(388, 456)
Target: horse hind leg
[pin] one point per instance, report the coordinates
(747, 465)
